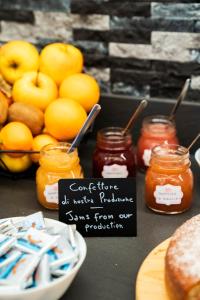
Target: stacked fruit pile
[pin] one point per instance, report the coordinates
(44, 98)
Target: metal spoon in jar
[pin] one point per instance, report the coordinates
(135, 115)
(180, 98)
(90, 119)
(194, 141)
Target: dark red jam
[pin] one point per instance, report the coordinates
(114, 155)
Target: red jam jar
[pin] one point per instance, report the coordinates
(114, 155)
(169, 180)
(155, 131)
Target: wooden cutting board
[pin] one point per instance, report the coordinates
(150, 284)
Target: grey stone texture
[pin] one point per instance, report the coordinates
(141, 48)
(190, 11)
(45, 5)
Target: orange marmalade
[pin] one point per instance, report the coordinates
(169, 180)
(55, 164)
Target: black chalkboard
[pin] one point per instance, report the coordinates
(99, 207)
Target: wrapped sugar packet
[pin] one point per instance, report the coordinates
(63, 270)
(4, 271)
(21, 271)
(62, 254)
(7, 227)
(9, 257)
(6, 242)
(35, 220)
(36, 241)
(42, 274)
(71, 233)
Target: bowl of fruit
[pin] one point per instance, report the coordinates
(43, 100)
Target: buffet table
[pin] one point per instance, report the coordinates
(110, 269)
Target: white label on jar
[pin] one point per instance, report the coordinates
(51, 193)
(114, 171)
(168, 194)
(146, 157)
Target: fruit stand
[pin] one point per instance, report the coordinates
(111, 265)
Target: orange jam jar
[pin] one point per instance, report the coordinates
(155, 131)
(55, 164)
(169, 180)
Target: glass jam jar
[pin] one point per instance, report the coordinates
(169, 180)
(114, 155)
(55, 163)
(155, 131)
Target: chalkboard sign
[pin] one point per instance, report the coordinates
(99, 207)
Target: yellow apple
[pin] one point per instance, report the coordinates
(60, 60)
(35, 88)
(39, 142)
(15, 164)
(16, 58)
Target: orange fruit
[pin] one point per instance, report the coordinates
(39, 142)
(59, 60)
(81, 87)
(63, 118)
(17, 136)
(15, 164)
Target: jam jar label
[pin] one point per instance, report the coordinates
(51, 193)
(168, 194)
(146, 157)
(115, 171)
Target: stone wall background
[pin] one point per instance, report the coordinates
(140, 48)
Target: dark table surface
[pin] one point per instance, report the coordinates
(110, 269)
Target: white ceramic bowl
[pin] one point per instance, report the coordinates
(55, 289)
(197, 156)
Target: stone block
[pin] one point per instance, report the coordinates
(102, 74)
(92, 48)
(56, 25)
(190, 11)
(141, 51)
(44, 5)
(148, 24)
(13, 30)
(125, 50)
(20, 16)
(130, 89)
(110, 7)
(104, 61)
(176, 68)
(195, 83)
(180, 40)
(94, 22)
(124, 36)
(151, 78)
(16, 31)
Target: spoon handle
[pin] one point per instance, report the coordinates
(90, 119)
(180, 98)
(135, 115)
(194, 141)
